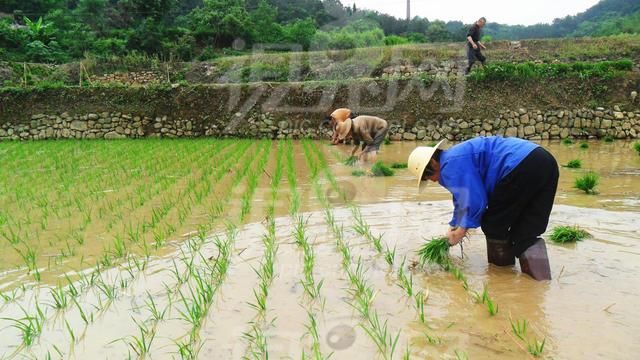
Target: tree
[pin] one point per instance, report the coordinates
(438, 32)
(267, 30)
(220, 22)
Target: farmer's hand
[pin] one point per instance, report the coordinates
(475, 47)
(455, 235)
(483, 47)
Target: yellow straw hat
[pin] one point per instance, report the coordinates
(419, 159)
(343, 128)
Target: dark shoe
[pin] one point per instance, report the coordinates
(500, 252)
(535, 262)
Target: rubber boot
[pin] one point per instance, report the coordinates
(535, 262)
(500, 252)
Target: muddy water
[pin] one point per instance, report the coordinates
(589, 310)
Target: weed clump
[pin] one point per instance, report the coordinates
(358, 173)
(436, 252)
(587, 183)
(636, 147)
(584, 146)
(574, 164)
(380, 169)
(568, 234)
(351, 160)
(399, 165)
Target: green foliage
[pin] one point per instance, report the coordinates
(568, 234)
(395, 40)
(574, 164)
(486, 39)
(636, 147)
(529, 70)
(358, 173)
(584, 146)
(587, 183)
(380, 169)
(567, 141)
(351, 161)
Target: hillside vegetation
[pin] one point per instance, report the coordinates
(59, 31)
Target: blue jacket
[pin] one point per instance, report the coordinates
(471, 170)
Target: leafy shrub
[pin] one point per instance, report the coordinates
(568, 234)
(587, 183)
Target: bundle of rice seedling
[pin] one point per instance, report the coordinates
(399, 165)
(351, 160)
(358, 173)
(436, 252)
(380, 169)
(568, 234)
(574, 164)
(584, 146)
(587, 183)
(636, 147)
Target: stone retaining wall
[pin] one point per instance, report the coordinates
(523, 123)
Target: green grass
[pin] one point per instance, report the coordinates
(399, 165)
(568, 234)
(435, 252)
(380, 169)
(574, 164)
(588, 183)
(501, 71)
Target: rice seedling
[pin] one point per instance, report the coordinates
(420, 299)
(568, 234)
(351, 161)
(390, 256)
(435, 252)
(519, 328)
(156, 314)
(608, 139)
(405, 282)
(461, 355)
(584, 145)
(492, 307)
(257, 343)
(399, 165)
(141, 345)
(587, 183)
(567, 141)
(536, 347)
(433, 340)
(30, 326)
(358, 173)
(574, 164)
(60, 299)
(379, 333)
(380, 169)
(636, 147)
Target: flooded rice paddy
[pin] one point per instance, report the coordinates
(230, 249)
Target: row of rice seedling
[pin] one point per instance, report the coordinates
(257, 341)
(361, 292)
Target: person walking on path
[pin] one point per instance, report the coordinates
(474, 46)
(368, 130)
(506, 186)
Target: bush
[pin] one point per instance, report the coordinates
(395, 40)
(380, 169)
(587, 183)
(574, 164)
(568, 234)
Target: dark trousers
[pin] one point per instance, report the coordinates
(521, 202)
(474, 55)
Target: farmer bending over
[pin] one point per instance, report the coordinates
(474, 45)
(337, 117)
(504, 185)
(369, 130)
